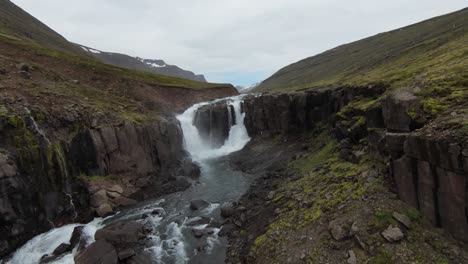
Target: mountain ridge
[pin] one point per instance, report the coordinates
(136, 63)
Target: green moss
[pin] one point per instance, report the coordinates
(95, 177)
(432, 106)
(413, 214)
(382, 257)
(3, 111)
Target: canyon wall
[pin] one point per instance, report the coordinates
(48, 182)
(428, 163)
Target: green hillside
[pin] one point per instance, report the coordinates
(430, 54)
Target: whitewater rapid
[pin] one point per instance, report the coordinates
(171, 240)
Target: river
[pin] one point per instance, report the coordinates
(172, 239)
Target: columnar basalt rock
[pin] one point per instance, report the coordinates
(213, 123)
(430, 170)
(44, 183)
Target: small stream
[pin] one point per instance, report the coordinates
(172, 239)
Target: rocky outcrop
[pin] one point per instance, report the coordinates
(299, 111)
(214, 121)
(429, 166)
(48, 182)
(117, 243)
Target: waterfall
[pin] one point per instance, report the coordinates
(43, 244)
(36, 126)
(201, 150)
(171, 240)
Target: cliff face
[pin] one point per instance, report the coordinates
(428, 160)
(48, 181)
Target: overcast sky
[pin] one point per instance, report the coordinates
(235, 41)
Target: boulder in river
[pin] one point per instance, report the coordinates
(99, 252)
(198, 204)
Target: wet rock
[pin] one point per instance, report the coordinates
(227, 210)
(144, 216)
(198, 204)
(62, 248)
(121, 233)
(402, 219)
(198, 233)
(76, 236)
(126, 253)
(99, 252)
(157, 212)
(104, 210)
(393, 234)
(337, 231)
(201, 221)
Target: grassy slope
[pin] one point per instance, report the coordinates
(22, 29)
(430, 53)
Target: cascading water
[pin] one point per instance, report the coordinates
(172, 239)
(201, 150)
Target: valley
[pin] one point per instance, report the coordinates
(355, 155)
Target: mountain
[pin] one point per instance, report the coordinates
(394, 58)
(148, 65)
(59, 107)
(247, 88)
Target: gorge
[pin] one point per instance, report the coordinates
(355, 155)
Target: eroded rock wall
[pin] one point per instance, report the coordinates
(430, 168)
(49, 182)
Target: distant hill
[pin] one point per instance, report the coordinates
(421, 51)
(136, 63)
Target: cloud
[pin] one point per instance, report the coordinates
(228, 39)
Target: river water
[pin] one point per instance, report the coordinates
(172, 239)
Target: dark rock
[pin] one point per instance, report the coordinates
(227, 229)
(62, 248)
(198, 233)
(126, 253)
(24, 67)
(227, 210)
(76, 236)
(121, 233)
(213, 124)
(198, 204)
(25, 75)
(395, 109)
(124, 202)
(3, 71)
(99, 252)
